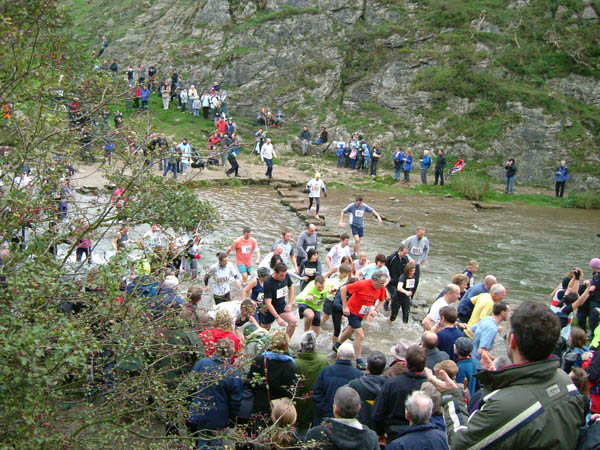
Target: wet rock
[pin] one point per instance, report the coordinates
(479, 205)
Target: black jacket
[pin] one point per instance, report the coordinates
(282, 379)
(389, 406)
(368, 387)
(395, 266)
(335, 435)
(440, 162)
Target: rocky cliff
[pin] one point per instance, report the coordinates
(483, 79)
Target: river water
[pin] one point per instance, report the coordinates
(528, 248)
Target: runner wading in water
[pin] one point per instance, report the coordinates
(244, 246)
(314, 188)
(357, 212)
(364, 294)
(276, 288)
(418, 248)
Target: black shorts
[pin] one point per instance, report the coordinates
(267, 318)
(328, 307)
(317, 319)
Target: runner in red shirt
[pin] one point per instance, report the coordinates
(365, 294)
(244, 246)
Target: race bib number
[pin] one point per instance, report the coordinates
(246, 249)
(282, 292)
(416, 251)
(364, 310)
(285, 255)
(309, 272)
(260, 298)
(359, 213)
(309, 248)
(410, 283)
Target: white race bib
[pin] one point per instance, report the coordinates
(246, 249)
(309, 272)
(410, 283)
(260, 298)
(282, 292)
(416, 251)
(364, 310)
(359, 213)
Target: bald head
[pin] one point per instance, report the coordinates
(489, 281)
(429, 340)
(278, 249)
(4, 253)
(311, 228)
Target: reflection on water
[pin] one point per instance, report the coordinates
(527, 248)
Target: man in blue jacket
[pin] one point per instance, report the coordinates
(330, 379)
(218, 397)
(562, 176)
(421, 434)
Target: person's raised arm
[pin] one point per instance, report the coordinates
(376, 214)
(248, 288)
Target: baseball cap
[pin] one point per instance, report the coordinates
(464, 345)
(399, 350)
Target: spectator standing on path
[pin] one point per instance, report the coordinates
(305, 140)
(357, 212)
(165, 93)
(425, 165)
(267, 153)
(369, 386)
(562, 176)
(205, 104)
(511, 170)
(310, 364)
(330, 379)
(530, 404)
(388, 413)
(314, 188)
(375, 156)
(217, 399)
(407, 165)
(344, 431)
(421, 434)
(114, 68)
(183, 99)
(418, 249)
(397, 158)
(192, 95)
(440, 166)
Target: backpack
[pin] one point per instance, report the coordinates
(144, 286)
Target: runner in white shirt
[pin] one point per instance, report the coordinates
(432, 320)
(314, 188)
(337, 252)
(222, 273)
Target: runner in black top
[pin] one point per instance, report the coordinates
(277, 287)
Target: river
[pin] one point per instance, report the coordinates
(528, 248)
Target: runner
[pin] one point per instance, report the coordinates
(277, 287)
(367, 272)
(155, 236)
(222, 272)
(314, 188)
(306, 240)
(405, 290)
(244, 246)
(358, 264)
(337, 252)
(365, 294)
(288, 255)
(330, 307)
(310, 268)
(310, 302)
(395, 264)
(418, 248)
(357, 212)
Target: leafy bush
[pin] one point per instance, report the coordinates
(584, 200)
(471, 186)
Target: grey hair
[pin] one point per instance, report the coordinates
(379, 275)
(347, 401)
(497, 289)
(346, 351)
(419, 406)
(434, 395)
(489, 280)
(309, 341)
(278, 246)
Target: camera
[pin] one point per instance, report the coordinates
(577, 274)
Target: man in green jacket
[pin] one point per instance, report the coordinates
(309, 364)
(531, 404)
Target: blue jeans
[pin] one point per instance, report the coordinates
(319, 141)
(269, 163)
(171, 166)
(196, 112)
(191, 102)
(367, 163)
(340, 161)
(510, 184)
(397, 174)
(352, 163)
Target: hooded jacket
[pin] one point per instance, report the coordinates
(310, 365)
(533, 406)
(368, 387)
(562, 174)
(336, 435)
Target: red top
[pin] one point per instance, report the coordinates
(364, 296)
(221, 126)
(211, 336)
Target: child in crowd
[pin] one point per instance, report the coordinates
(471, 270)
